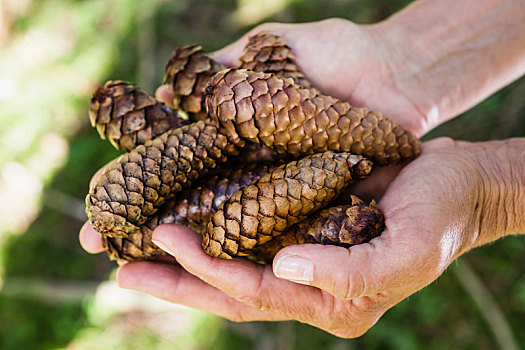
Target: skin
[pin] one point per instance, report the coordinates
(454, 197)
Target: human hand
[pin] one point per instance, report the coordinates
(444, 203)
(345, 60)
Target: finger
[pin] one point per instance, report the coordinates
(172, 283)
(384, 264)
(256, 285)
(165, 95)
(245, 281)
(238, 278)
(90, 241)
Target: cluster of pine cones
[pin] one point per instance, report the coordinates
(250, 157)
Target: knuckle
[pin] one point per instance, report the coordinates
(335, 21)
(237, 317)
(352, 285)
(350, 333)
(258, 296)
(443, 142)
(352, 321)
(269, 26)
(251, 300)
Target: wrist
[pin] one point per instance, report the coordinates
(499, 208)
(448, 63)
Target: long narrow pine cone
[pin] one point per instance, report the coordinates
(133, 188)
(343, 225)
(193, 207)
(282, 198)
(290, 119)
(188, 71)
(268, 52)
(129, 116)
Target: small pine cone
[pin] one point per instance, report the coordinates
(194, 208)
(266, 109)
(280, 199)
(128, 116)
(344, 225)
(187, 72)
(268, 52)
(133, 187)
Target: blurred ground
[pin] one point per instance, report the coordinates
(54, 295)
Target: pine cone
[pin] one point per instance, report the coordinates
(266, 109)
(187, 72)
(128, 116)
(133, 187)
(280, 199)
(268, 52)
(135, 246)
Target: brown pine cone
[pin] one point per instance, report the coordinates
(187, 72)
(266, 109)
(343, 225)
(280, 199)
(193, 208)
(268, 52)
(135, 246)
(133, 187)
(128, 116)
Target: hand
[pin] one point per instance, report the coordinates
(434, 211)
(352, 62)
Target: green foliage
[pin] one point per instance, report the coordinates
(26, 323)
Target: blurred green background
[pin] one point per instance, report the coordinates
(53, 54)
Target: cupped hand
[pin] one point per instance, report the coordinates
(431, 216)
(355, 63)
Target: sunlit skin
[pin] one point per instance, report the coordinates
(454, 197)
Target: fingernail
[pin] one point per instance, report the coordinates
(295, 269)
(162, 246)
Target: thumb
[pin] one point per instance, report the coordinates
(362, 270)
